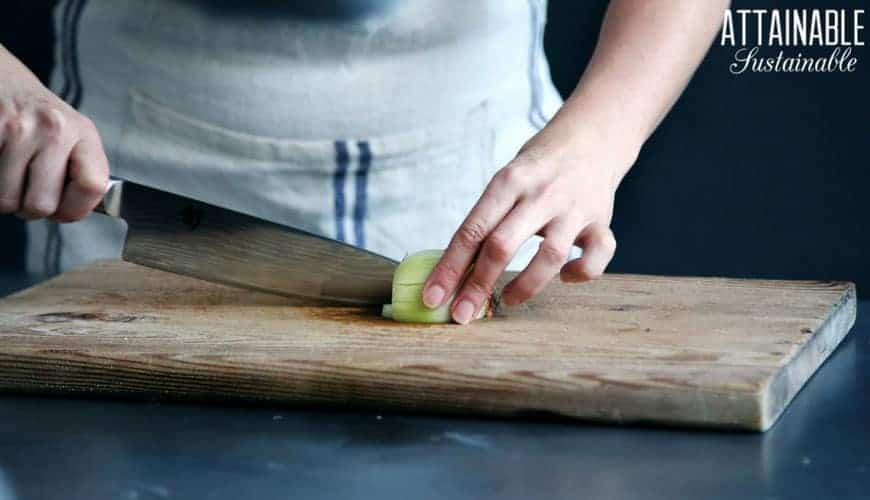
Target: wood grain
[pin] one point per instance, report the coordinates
(684, 351)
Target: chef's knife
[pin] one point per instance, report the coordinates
(185, 236)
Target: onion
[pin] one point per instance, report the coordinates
(408, 281)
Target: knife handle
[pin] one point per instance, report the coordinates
(111, 202)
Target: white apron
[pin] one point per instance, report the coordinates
(379, 129)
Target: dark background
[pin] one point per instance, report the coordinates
(757, 175)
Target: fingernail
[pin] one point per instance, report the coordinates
(433, 296)
(463, 312)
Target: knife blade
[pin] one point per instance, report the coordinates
(193, 238)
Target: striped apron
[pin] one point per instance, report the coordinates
(379, 129)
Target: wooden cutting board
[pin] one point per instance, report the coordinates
(685, 351)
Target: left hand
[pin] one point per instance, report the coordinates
(560, 186)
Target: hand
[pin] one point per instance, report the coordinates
(561, 185)
(52, 162)
(558, 187)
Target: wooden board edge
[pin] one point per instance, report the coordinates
(49, 280)
(788, 381)
(16, 295)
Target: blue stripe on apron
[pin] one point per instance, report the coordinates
(76, 98)
(63, 36)
(361, 177)
(72, 85)
(342, 159)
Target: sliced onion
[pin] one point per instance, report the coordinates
(408, 281)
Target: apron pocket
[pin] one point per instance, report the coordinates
(392, 194)
(284, 180)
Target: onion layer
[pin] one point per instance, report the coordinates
(408, 281)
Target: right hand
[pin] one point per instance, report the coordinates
(52, 162)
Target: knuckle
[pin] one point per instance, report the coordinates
(498, 248)
(512, 177)
(552, 191)
(8, 109)
(602, 238)
(51, 120)
(595, 236)
(87, 125)
(470, 235)
(475, 287)
(39, 207)
(14, 127)
(531, 157)
(503, 177)
(91, 187)
(551, 254)
(449, 273)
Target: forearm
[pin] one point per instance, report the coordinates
(13, 71)
(646, 54)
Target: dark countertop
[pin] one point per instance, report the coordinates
(83, 449)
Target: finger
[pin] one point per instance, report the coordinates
(598, 246)
(495, 254)
(496, 201)
(545, 265)
(45, 178)
(16, 150)
(87, 177)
